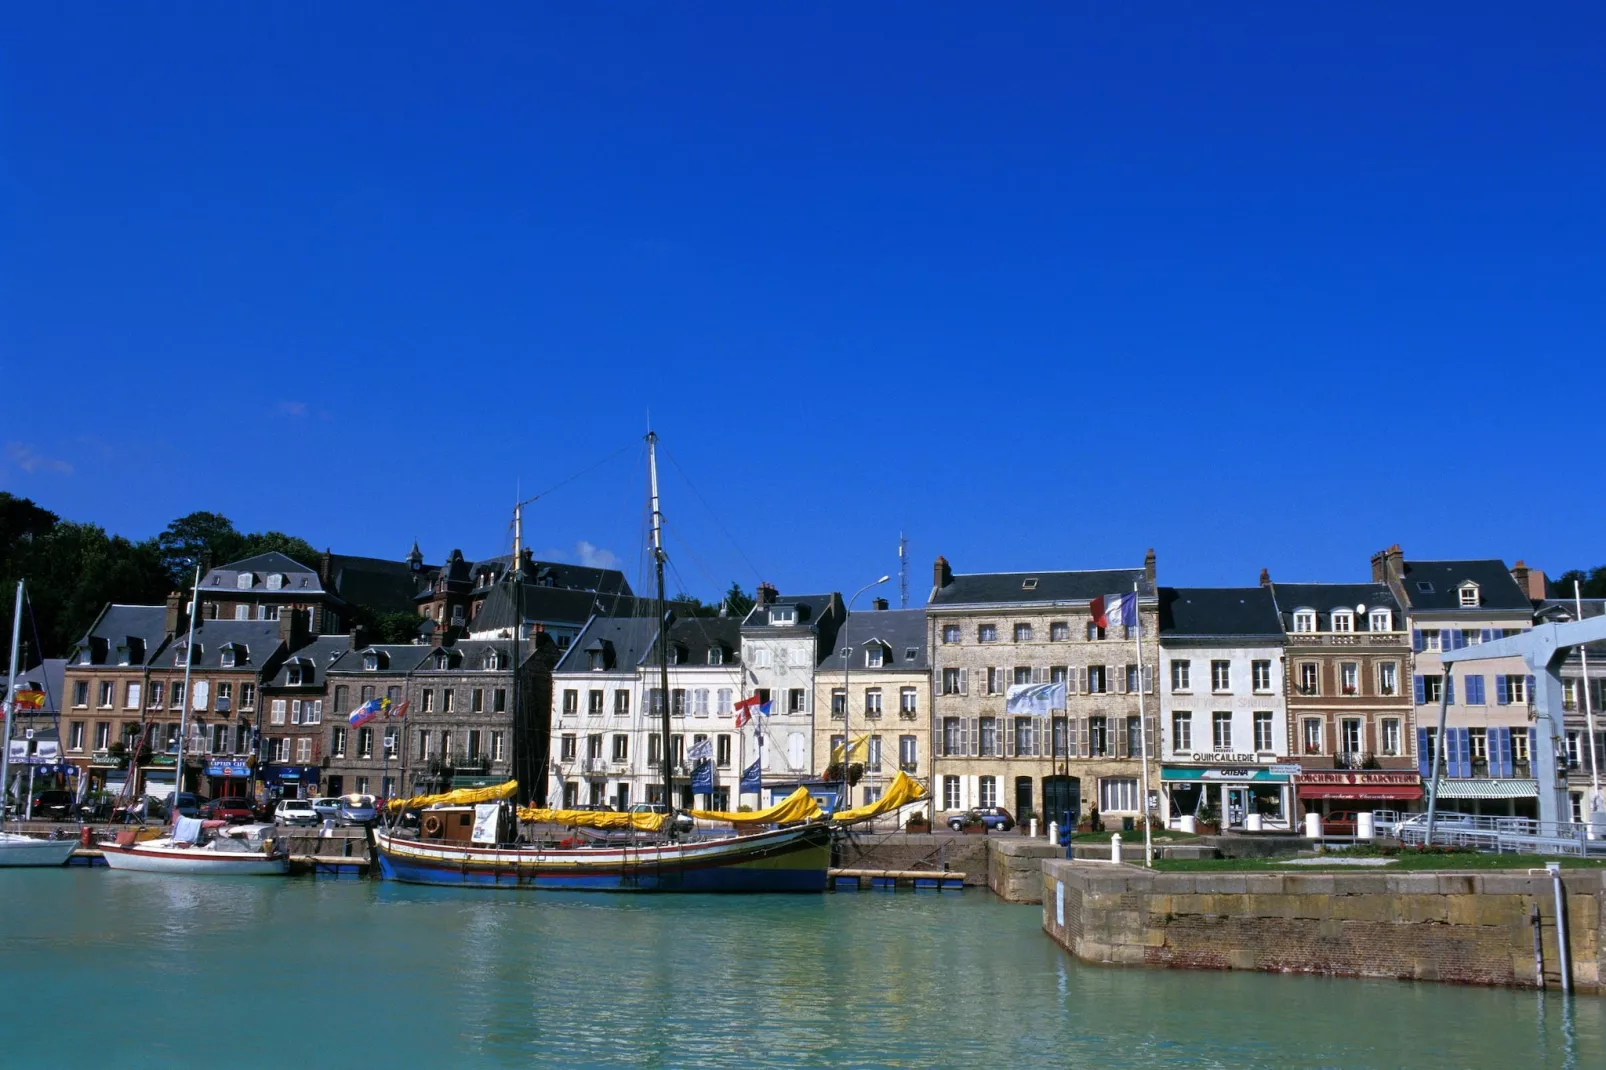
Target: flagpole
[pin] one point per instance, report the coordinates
(1143, 736)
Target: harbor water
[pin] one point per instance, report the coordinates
(134, 970)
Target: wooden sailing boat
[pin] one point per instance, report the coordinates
(471, 838)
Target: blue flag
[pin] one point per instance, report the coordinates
(752, 779)
(702, 778)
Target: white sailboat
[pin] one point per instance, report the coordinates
(15, 848)
(195, 850)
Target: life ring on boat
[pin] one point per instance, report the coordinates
(432, 825)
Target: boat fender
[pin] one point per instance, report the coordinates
(432, 825)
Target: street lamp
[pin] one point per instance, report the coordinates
(847, 701)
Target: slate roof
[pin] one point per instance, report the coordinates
(386, 586)
(1001, 588)
(899, 630)
(116, 624)
(318, 656)
(551, 605)
(694, 635)
(1326, 597)
(1556, 610)
(1217, 612)
(47, 676)
(403, 657)
(1497, 590)
(301, 580)
(810, 608)
(558, 574)
(259, 638)
(626, 641)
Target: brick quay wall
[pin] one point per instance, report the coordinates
(1465, 928)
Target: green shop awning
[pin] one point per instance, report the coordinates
(1218, 775)
(1489, 789)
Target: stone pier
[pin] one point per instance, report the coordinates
(1467, 928)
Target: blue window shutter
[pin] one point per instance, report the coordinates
(1420, 689)
(1531, 698)
(1500, 691)
(1458, 639)
(1424, 763)
(1486, 634)
(1449, 689)
(1505, 752)
(1416, 640)
(1464, 743)
(1475, 690)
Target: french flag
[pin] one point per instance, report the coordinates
(1112, 609)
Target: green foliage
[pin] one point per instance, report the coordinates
(1593, 583)
(736, 602)
(397, 627)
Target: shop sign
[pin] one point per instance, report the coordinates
(1358, 778)
(1287, 768)
(1223, 758)
(228, 768)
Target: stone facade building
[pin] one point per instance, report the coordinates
(1450, 605)
(783, 640)
(878, 684)
(1223, 721)
(990, 631)
(105, 689)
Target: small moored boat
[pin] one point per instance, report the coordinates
(19, 850)
(195, 850)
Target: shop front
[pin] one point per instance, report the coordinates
(1328, 791)
(290, 782)
(1229, 794)
(228, 778)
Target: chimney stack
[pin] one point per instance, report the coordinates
(941, 574)
(1529, 579)
(1394, 562)
(293, 627)
(880, 604)
(1378, 573)
(1265, 577)
(359, 637)
(174, 621)
(767, 594)
(1148, 567)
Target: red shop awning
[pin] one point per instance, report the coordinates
(1360, 791)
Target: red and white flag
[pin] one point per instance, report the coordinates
(744, 710)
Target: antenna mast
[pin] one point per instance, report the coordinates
(903, 571)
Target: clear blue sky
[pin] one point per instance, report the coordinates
(1257, 285)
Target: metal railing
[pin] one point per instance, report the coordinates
(1500, 835)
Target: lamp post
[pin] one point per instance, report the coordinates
(847, 701)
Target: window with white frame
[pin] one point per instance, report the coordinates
(1181, 730)
(1381, 620)
(1469, 595)
(950, 793)
(1343, 620)
(1309, 678)
(1023, 633)
(1389, 736)
(1516, 690)
(1304, 620)
(1097, 683)
(1094, 632)
(1388, 678)
(872, 702)
(1180, 678)
(987, 633)
(874, 654)
(304, 749)
(365, 742)
(1263, 735)
(1220, 676)
(277, 711)
(1430, 639)
(1311, 733)
(1059, 631)
(950, 633)
(1118, 795)
(907, 703)
(1349, 677)
(1221, 730)
(987, 791)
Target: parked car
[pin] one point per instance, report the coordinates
(327, 808)
(232, 809)
(681, 822)
(144, 809)
(53, 805)
(993, 818)
(187, 803)
(1340, 822)
(295, 812)
(358, 810)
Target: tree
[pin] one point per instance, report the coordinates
(1592, 583)
(393, 627)
(203, 538)
(296, 549)
(738, 601)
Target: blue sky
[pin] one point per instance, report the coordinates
(1258, 285)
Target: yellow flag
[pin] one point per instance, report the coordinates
(858, 749)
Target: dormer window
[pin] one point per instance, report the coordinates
(275, 581)
(243, 581)
(595, 661)
(716, 655)
(229, 656)
(1343, 620)
(374, 660)
(1304, 620)
(1469, 595)
(293, 674)
(443, 661)
(1381, 620)
(491, 661)
(677, 655)
(122, 654)
(874, 655)
(783, 615)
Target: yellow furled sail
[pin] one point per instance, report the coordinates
(798, 806)
(901, 792)
(460, 797)
(594, 819)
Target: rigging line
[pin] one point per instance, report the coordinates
(700, 568)
(583, 472)
(44, 677)
(717, 522)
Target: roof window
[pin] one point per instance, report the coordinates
(1468, 593)
(1029, 583)
(1424, 586)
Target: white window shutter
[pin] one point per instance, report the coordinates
(1081, 674)
(1146, 678)
(1009, 739)
(975, 737)
(964, 681)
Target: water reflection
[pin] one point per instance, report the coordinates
(422, 976)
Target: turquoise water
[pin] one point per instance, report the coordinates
(134, 970)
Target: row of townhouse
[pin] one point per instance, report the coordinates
(271, 699)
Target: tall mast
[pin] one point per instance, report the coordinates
(11, 703)
(663, 628)
(184, 710)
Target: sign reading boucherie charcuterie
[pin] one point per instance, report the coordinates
(1346, 776)
(1358, 784)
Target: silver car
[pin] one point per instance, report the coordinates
(358, 810)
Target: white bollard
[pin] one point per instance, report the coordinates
(1253, 823)
(1188, 823)
(1053, 832)
(1115, 847)
(1365, 828)
(1034, 828)
(1313, 826)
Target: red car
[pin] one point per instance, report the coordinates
(234, 810)
(1340, 822)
